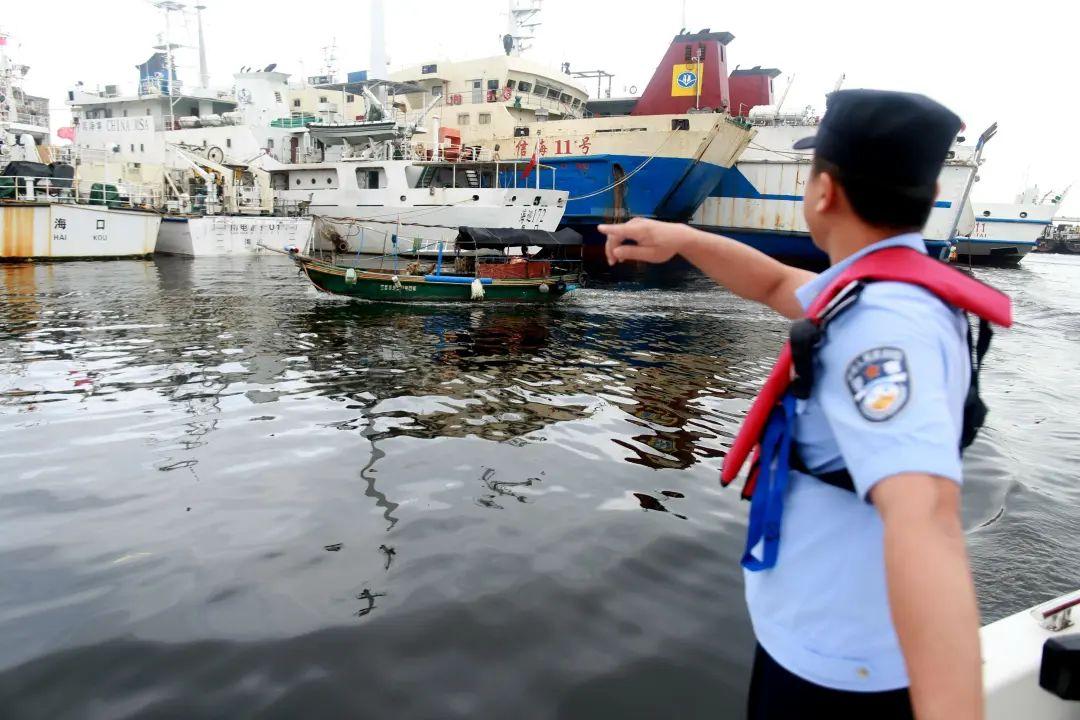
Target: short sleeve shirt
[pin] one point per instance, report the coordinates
(890, 381)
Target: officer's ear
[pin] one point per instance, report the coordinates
(828, 192)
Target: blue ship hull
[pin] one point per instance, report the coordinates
(666, 188)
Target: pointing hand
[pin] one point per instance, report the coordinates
(654, 241)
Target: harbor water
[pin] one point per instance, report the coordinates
(224, 495)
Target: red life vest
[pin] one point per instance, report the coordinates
(895, 264)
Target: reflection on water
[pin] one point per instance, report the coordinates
(226, 493)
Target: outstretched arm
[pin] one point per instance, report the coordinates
(741, 269)
(931, 594)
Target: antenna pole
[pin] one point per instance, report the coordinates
(204, 74)
(170, 70)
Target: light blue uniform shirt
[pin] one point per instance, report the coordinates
(890, 381)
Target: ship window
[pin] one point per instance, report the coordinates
(368, 179)
(132, 147)
(564, 98)
(539, 89)
(687, 54)
(270, 143)
(125, 113)
(436, 91)
(553, 93)
(428, 69)
(722, 53)
(463, 119)
(277, 96)
(296, 103)
(524, 86)
(484, 118)
(322, 98)
(228, 142)
(142, 148)
(701, 53)
(986, 213)
(147, 111)
(493, 85)
(349, 98)
(680, 123)
(312, 181)
(510, 84)
(297, 181)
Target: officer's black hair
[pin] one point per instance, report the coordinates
(876, 204)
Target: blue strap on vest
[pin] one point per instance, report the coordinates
(767, 503)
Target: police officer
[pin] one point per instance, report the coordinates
(859, 592)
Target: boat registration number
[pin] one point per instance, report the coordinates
(405, 288)
(532, 216)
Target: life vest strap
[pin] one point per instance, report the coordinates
(767, 503)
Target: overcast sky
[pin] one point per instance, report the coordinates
(1014, 63)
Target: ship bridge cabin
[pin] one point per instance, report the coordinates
(494, 93)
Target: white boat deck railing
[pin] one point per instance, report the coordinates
(28, 189)
(34, 120)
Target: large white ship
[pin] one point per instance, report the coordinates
(46, 212)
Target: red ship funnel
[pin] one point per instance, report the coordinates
(750, 88)
(692, 75)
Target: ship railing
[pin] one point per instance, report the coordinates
(33, 189)
(35, 120)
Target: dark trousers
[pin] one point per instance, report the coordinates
(776, 694)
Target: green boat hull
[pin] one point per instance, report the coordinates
(381, 287)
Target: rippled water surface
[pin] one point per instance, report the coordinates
(224, 495)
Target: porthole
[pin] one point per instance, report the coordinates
(329, 181)
(1023, 214)
(986, 213)
(475, 198)
(297, 181)
(402, 198)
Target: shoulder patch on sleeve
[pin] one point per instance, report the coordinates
(878, 382)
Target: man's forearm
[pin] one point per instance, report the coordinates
(745, 271)
(932, 599)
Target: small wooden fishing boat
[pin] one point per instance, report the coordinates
(480, 268)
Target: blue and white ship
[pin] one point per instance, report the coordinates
(760, 201)
(1004, 233)
(657, 155)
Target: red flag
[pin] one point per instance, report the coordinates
(530, 167)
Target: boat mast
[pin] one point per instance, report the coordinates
(378, 50)
(204, 74)
(169, 6)
(521, 22)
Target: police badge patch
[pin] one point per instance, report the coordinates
(879, 383)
